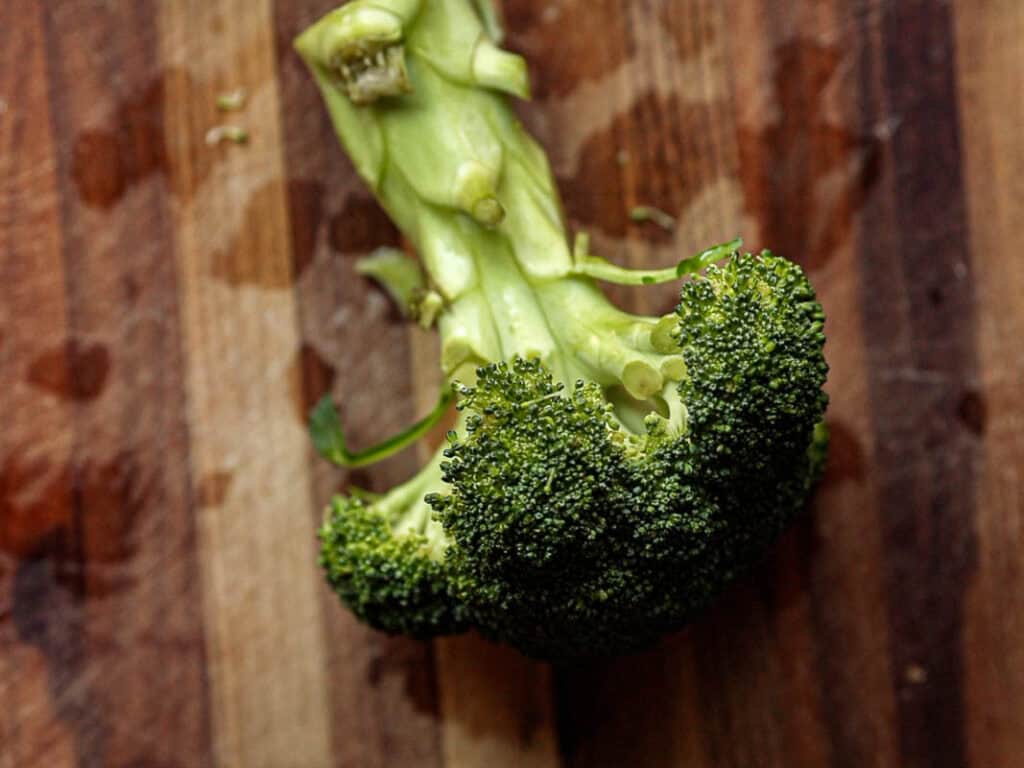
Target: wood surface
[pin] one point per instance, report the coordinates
(169, 310)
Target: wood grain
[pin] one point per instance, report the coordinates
(104, 589)
(35, 446)
(921, 368)
(991, 82)
(264, 642)
(169, 311)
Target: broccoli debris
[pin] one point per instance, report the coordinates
(607, 474)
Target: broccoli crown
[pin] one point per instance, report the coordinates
(571, 536)
(382, 559)
(608, 474)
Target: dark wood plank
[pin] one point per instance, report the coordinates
(921, 368)
(39, 647)
(107, 593)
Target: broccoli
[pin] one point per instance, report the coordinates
(607, 474)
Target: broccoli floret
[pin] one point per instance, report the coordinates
(607, 474)
(385, 557)
(572, 534)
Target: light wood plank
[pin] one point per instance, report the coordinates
(264, 637)
(990, 61)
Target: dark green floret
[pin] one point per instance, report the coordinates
(574, 536)
(395, 583)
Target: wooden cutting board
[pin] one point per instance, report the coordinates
(170, 309)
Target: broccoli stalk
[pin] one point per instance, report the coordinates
(608, 473)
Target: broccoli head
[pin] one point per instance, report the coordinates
(607, 474)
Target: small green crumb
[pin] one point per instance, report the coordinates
(642, 213)
(232, 101)
(221, 133)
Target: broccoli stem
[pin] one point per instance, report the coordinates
(329, 438)
(408, 512)
(474, 193)
(601, 269)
